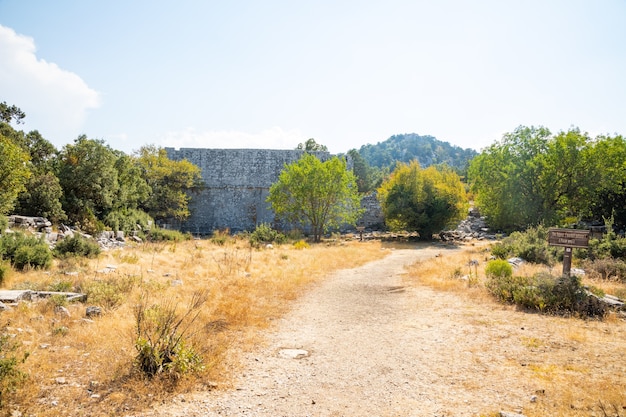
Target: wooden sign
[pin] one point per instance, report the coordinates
(569, 238)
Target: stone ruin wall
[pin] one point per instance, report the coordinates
(236, 186)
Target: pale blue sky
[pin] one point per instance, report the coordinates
(270, 74)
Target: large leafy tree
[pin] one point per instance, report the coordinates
(609, 155)
(316, 194)
(14, 173)
(170, 183)
(43, 193)
(133, 188)
(89, 180)
(506, 177)
(423, 200)
(532, 177)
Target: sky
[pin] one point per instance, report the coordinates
(272, 73)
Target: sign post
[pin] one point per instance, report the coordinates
(568, 238)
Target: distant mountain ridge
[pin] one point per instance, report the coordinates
(428, 150)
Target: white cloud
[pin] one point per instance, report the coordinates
(55, 100)
(273, 138)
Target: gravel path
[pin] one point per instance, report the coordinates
(364, 345)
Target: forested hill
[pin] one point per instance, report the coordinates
(406, 147)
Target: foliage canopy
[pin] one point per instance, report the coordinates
(315, 193)
(532, 177)
(423, 200)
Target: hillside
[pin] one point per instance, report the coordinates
(428, 150)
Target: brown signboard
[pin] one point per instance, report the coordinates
(571, 238)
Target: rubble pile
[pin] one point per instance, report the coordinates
(42, 227)
(39, 224)
(473, 227)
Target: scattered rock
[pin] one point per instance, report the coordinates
(93, 311)
(473, 227)
(62, 311)
(293, 353)
(507, 414)
(60, 380)
(177, 282)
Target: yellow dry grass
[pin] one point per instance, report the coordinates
(80, 366)
(576, 365)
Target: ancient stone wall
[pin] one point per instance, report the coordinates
(236, 185)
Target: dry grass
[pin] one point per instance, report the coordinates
(576, 366)
(79, 366)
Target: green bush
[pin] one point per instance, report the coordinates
(498, 268)
(76, 246)
(25, 251)
(127, 220)
(4, 223)
(530, 245)
(265, 234)
(109, 293)
(36, 256)
(11, 377)
(545, 293)
(157, 234)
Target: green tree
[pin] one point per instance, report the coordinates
(14, 173)
(311, 146)
(170, 183)
(609, 156)
(422, 200)
(89, 180)
(316, 194)
(569, 177)
(8, 113)
(368, 178)
(505, 179)
(533, 177)
(43, 193)
(133, 188)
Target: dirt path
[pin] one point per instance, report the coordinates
(377, 348)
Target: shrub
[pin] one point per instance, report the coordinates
(157, 234)
(25, 251)
(301, 244)
(4, 271)
(264, 234)
(129, 220)
(163, 341)
(606, 269)
(530, 245)
(220, 237)
(61, 286)
(545, 293)
(109, 293)
(4, 223)
(498, 268)
(11, 377)
(76, 246)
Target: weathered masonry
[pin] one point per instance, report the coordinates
(236, 186)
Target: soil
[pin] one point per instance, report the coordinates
(362, 343)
